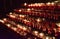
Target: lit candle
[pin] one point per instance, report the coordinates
(2, 21)
(25, 4)
(8, 25)
(35, 33)
(20, 10)
(13, 16)
(47, 37)
(58, 24)
(41, 35)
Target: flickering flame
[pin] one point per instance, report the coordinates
(52, 3)
(47, 37)
(24, 28)
(25, 4)
(53, 37)
(59, 29)
(10, 13)
(41, 34)
(12, 16)
(38, 20)
(48, 3)
(8, 25)
(14, 28)
(58, 24)
(28, 9)
(56, 1)
(35, 32)
(19, 26)
(26, 20)
(22, 16)
(2, 21)
(20, 10)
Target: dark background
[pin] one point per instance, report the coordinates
(5, 7)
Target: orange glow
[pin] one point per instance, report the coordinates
(20, 10)
(26, 20)
(14, 28)
(47, 37)
(10, 13)
(12, 16)
(58, 24)
(53, 37)
(22, 16)
(24, 28)
(25, 4)
(28, 9)
(56, 1)
(8, 25)
(38, 20)
(2, 21)
(48, 3)
(41, 34)
(52, 3)
(19, 26)
(58, 29)
(35, 33)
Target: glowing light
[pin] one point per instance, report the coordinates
(52, 3)
(47, 37)
(35, 32)
(31, 5)
(58, 29)
(28, 9)
(14, 28)
(56, 1)
(53, 37)
(2, 21)
(39, 5)
(8, 25)
(48, 3)
(26, 20)
(43, 19)
(36, 4)
(19, 26)
(25, 4)
(24, 28)
(42, 4)
(41, 34)
(12, 16)
(58, 24)
(55, 30)
(10, 13)
(22, 16)
(38, 20)
(20, 10)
